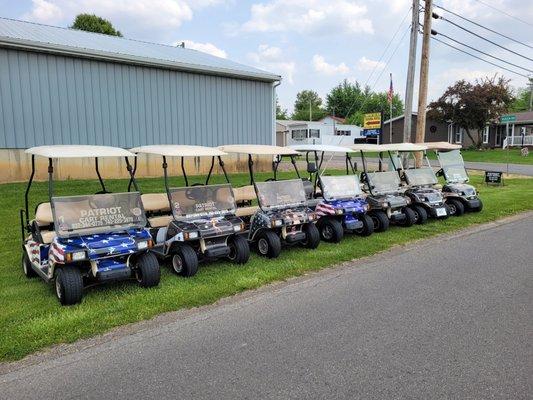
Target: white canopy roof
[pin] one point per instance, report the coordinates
(442, 146)
(402, 147)
(258, 149)
(365, 147)
(174, 150)
(78, 151)
(327, 148)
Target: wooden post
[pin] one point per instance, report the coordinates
(423, 86)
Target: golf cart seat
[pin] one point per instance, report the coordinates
(245, 193)
(160, 221)
(44, 218)
(246, 211)
(155, 202)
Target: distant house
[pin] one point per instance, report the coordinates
(494, 135)
(328, 130)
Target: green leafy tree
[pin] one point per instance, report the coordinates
(308, 105)
(281, 113)
(351, 101)
(473, 105)
(522, 101)
(93, 23)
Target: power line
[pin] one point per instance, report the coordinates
(481, 37)
(434, 32)
(504, 12)
(479, 58)
(484, 27)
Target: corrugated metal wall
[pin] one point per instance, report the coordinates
(49, 99)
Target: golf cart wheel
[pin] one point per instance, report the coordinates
(368, 226)
(331, 230)
(421, 215)
(147, 270)
(455, 207)
(479, 208)
(26, 266)
(68, 285)
(239, 250)
(410, 217)
(268, 244)
(185, 261)
(312, 236)
(380, 220)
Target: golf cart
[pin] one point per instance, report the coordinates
(339, 202)
(282, 215)
(75, 241)
(385, 193)
(426, 200)
(196, 222)
(458, 194)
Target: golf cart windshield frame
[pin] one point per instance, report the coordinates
(380, 163)
(264, 188)
(464, 177)
(346, 196)
(25, 215)
(215, 209)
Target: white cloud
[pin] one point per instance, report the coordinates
(366, 64)
(208, 48)
(309, 17)
(153, 17)
(320, 65)
(271, 58)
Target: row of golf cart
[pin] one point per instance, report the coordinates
(82, 240)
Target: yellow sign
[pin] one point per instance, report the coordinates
(372, 121)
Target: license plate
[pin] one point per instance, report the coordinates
(441, 212)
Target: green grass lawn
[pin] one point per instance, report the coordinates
(493, 156)
(31, 317)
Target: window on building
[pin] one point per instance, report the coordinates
(339, 132)
(299, 134)
(314, 133)
(486, 135)
(459, 135)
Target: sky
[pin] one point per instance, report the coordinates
(312, 44)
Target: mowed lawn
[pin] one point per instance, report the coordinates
(31, 317)
(511, 156)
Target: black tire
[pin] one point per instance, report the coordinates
(380, 220)
(421, 215)
(147, 271)
(312, 236)
(239, 250)
(330, 230)
(26, 266)
(410, 217)
(368, 225)
(185, 261)
(268, 244)
(456, 207)
(68, 285)
(479, 208)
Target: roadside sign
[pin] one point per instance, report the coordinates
(494, 177)
(508, 118)
(372, 121)
(371, 132)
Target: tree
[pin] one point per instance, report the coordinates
(473, 105)
(93, 23)
(308, 105)
(281, 113)
(351, 101)
(522, 101)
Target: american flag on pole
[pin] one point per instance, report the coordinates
(390, 94)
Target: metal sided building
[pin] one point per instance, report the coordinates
(64, 86)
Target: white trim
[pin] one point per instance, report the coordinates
(486, 135)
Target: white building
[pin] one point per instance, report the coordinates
(328, 130)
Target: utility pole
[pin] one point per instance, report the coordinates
(530, 94)
(310, 112)
(423, 85)
(409, 87)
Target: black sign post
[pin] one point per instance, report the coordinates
(494, 177)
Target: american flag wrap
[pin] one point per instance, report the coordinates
(324, 209)
(390, 93)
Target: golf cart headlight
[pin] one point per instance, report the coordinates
(339, 211)
(311, 216)
(237, 228)
(144, 244)
(385, 204)
(75, 256)
(190, 235)
(277, 222)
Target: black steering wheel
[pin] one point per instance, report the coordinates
(102, 200)
(199, 191)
